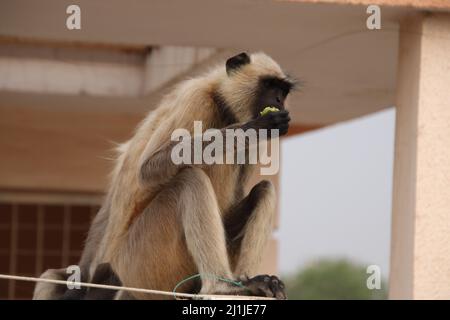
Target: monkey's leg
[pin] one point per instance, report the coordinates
(203, 229)
(103, 274)
(50, 291)
(179, 233)
(248, 228)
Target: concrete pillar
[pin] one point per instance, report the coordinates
(420, 244)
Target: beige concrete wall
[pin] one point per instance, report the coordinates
(423, 4)
(58, 122)
(420, 263)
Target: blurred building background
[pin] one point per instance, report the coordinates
(67, 96)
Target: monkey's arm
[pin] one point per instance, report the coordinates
(156, 165)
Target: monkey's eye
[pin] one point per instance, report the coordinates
(278, 84)
(267, 83)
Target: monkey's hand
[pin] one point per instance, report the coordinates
(265, 286)
(272, 120)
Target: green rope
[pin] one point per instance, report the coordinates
(236, 283)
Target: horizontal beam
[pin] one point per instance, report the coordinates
(157, 23)
(61, 146)
(297, 128)
(417, 4)
(348, 70)
(59, 149)
(50, 197)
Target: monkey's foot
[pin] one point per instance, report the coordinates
(265, 286)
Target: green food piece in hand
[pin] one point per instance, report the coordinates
(268, 110)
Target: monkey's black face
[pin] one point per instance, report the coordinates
(272, 92)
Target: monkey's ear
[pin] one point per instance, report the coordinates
(234, 63)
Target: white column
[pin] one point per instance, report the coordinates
(420, 247)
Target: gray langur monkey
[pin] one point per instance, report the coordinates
(162, 222)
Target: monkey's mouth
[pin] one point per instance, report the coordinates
(269, 108)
